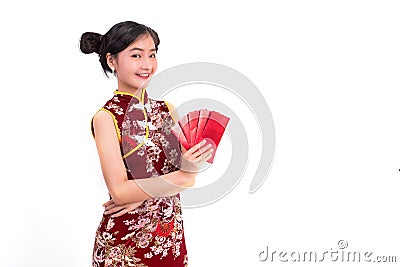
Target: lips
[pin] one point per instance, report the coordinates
(143, 75)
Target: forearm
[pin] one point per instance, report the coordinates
(138, 190)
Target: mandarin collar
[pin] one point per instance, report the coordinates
(142, 99)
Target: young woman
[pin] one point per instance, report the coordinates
(142, 223)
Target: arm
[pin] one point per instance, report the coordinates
(125, 191)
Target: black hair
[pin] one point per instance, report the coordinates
(119, 37)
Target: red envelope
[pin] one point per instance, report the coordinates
(198, 125)
(204, 114)
(178, 132)
(183, 123)
(193, 117)
(214, 129)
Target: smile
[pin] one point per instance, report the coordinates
(143, 75)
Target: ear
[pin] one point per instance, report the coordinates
(110, 61)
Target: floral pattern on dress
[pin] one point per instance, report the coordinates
(152, 234)
(156, 227)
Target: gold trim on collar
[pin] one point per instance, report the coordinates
(130, 94)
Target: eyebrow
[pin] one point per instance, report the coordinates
(140, 49)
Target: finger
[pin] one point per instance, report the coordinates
(196, 146)
(122, 212)
(111, 206)
(200, 152)
(108, 203)
(205, 148)
(197, 154)
(206, 156)
(113, 210)
(193, 156)
(127, 209)
(209, 156)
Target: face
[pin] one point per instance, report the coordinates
(136, 64)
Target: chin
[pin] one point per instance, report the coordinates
(142, 84)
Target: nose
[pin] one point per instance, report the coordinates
(146, 64)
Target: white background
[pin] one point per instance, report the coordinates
(329, 71)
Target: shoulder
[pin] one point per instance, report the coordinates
(116, 106)
(104, 121)
(102, 118)
(107, 115)
(102, 115)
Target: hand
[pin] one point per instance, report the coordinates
(192, 159)
(119, 210)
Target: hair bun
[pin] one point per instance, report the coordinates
(90, 42)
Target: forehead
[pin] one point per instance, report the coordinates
(143, 42)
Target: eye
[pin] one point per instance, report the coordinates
(136, 56)
(153, 55)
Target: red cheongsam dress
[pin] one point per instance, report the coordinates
(152, 234)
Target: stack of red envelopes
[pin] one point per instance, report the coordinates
(198, 125)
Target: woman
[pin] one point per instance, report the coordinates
(143, 165)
